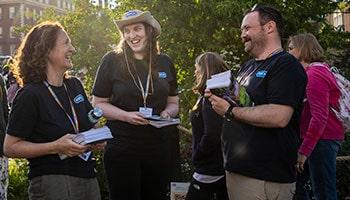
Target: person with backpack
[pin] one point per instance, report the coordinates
(321, 130)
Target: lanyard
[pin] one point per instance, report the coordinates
(73, 121)
(144, 91)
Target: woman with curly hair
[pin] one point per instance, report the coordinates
(47, 111)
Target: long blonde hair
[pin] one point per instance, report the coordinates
(209, 63)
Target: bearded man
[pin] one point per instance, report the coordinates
(260, 142)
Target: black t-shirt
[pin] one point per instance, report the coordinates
(37, 117)
(206, 143)
(267, 153)
(124, 94)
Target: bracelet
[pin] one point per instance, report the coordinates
(229, 114)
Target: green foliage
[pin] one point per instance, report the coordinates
(18, 182)
(92, 32)
(190, 27)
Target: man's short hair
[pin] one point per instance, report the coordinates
(268, 13)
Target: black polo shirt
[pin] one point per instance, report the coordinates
(267, 153)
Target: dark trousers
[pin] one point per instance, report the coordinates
(137, 172)
(303, 185)
(322, 169)
(207, 191)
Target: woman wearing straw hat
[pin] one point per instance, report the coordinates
(132, 83)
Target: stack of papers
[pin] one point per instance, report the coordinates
(226, 86)
(94, 135)
(91, 136)
(159, 122)
(220, 80)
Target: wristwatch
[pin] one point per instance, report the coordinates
(229, 114)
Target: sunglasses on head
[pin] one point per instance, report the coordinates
(265, 11)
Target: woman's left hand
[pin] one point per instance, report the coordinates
(164, 114)
(300, 162)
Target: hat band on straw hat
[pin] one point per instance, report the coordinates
(137, 16)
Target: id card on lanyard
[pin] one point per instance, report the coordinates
(74, 122)
(145, 111)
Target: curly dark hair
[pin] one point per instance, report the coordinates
(31, 58)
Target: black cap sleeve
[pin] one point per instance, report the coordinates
(103, 81)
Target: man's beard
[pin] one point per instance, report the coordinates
(257, 44)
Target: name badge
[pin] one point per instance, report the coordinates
(146, 112)
(85, 156)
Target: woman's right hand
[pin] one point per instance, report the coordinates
(66, 146)
(135, 118)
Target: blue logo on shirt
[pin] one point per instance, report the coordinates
(162, 74)
(78, 99)
(261, 73)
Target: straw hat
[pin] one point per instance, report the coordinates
(136, 16)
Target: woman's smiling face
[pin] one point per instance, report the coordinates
(136, 37)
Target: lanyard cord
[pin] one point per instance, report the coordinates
(74, 122)
(144, 92)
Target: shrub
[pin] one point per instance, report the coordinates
(18, 181)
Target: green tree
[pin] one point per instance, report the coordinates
(193, 26)
(92, 32)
